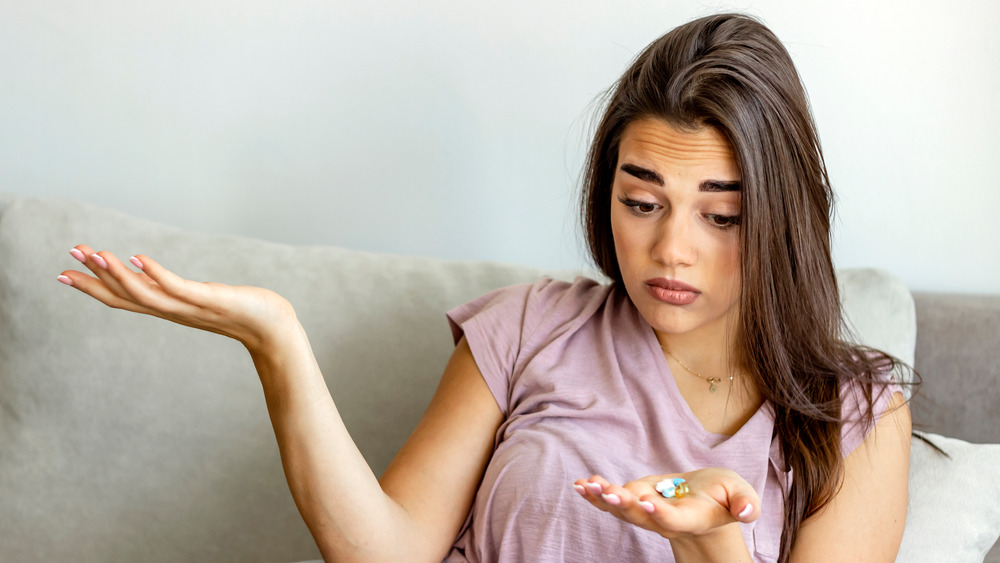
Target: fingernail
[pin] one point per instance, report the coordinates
(612, 499)
(746, 511)
(136, 262)
(99, 261)
(595, 488)
(65, 280)
(580, 489)
(78, 255)
(647, 506)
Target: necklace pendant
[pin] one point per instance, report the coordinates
(713, 388)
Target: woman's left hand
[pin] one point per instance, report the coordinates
(717, 497)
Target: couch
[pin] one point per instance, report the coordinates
(124, 437)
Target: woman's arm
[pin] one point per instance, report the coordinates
(437, 472)
(865, 520)
(423, 498)
(427, 490)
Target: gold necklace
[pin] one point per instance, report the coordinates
(711, 380)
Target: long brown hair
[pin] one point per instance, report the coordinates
(731, 73)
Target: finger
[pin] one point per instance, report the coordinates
(652, 503)
(183, 304)
(580, 488)
(640, 492)
(596, 485)
(80, 255)
(617, 500)
(591, 491)
(116, 285)
(683, 517)
(598, 491)
(83, 253)
(629, 504)
(103, 287)
(171, 283)
(744, 508)
(586, 488)
(88, 257)
(647, 506)
(97, 289)
(140, 274)
(624, 504)
(621, 502)
(137, 287)
(615, 496)
(102, 265)
(743, 500)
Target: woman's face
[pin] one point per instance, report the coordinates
(675, 215)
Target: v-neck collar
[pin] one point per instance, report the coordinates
(761, 423)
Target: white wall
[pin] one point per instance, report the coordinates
(457, 129)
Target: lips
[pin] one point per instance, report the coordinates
(673, 292)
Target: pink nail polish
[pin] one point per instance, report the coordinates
(65, 280)
(612, 499)
(580, 489)
(595, 488)
(78, 255)
(136, 262)
(99, 261)
(647, 506)
(746, 511)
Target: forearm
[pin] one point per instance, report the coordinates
(726, 544)
(336, 492)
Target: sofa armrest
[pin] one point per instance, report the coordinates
(958, 338)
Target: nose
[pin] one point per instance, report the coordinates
(674, 245)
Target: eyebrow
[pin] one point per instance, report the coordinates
(647, 175)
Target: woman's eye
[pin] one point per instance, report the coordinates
(639, 207)
(723, 221)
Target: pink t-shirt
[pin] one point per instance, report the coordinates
(585, 389)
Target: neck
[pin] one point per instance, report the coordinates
(710, 357)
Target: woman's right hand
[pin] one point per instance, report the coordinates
(717, 497)
(250, 315)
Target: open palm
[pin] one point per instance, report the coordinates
(247, 314)
(717, 497)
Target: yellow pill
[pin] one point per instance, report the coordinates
(681, 490)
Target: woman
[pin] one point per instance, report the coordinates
(712, 362)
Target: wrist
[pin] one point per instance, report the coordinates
(273, 327)
(286, 365)
(280, 338)
(724, 543)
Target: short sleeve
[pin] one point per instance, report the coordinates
(498, 325)
(506, 327)
(853, 406)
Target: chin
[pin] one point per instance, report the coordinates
(673, 320)
(668, 319)
(674, 327)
